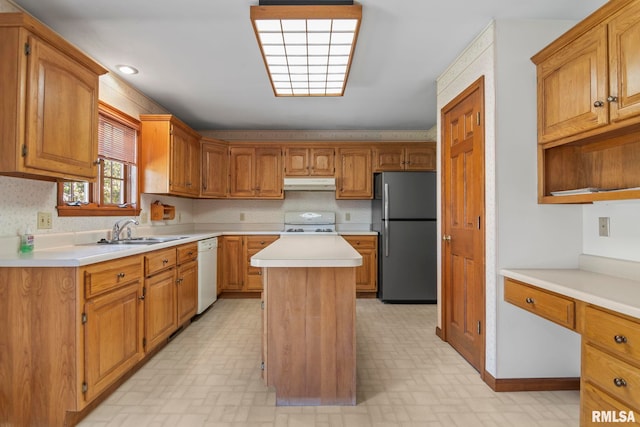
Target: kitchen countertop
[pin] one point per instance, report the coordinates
(308, 251)
(614, 293)
(77, 255)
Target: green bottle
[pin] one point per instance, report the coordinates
(26, 242)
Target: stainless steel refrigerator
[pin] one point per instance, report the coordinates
(404, 213)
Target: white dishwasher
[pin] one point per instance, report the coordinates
(207, 273)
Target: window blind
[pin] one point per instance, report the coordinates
(116, 141)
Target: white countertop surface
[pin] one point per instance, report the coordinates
(308, 251)
(85, 254)
(614, 293)
(76, 255)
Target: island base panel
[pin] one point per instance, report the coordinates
(310, 333)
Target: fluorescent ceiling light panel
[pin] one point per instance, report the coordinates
(307, 43)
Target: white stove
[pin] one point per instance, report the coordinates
(305, 222)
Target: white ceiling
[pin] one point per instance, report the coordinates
(200, 59)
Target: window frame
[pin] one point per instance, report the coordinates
(95, 207)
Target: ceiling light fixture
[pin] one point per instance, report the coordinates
(307, 49)
(127, 69)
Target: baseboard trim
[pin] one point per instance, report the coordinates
(439, 332)
(531, 384)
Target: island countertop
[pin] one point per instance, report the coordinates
(308, 251)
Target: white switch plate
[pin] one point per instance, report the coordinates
(603, 226)
(44, 220)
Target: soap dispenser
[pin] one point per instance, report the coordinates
(26, 241)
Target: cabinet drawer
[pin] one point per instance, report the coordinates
(366, 242)
(187, 252)
(614, 333)
(596, 405)
(260, 242)
(106, 276)
(617, 378)
(159, 260)
(552, 307)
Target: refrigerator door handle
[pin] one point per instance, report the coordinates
(386, 219)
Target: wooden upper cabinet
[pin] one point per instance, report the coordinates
(624, 71)
(589, 109)
(588, 80)
(49, 103)
(419, 157)
(255, 172)
(169, 156)
(215, 169)
(354, 176)
(572, 87)
(303, 161)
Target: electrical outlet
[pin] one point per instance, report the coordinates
(44, 220)
(347, 216)
(603, 226)
(241, 216)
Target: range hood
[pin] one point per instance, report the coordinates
(310, 184)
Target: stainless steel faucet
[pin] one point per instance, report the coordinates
(120, 225)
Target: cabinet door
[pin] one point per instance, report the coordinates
(232, 267)
(187, 283)
(241, 172)
(161, 315)
(573, 87)
(322, 162)
(624, 54)
(420, 158)
(255, 244)
(296, 161)
(367, 273)
(180, 162)
(193, 172)
(268, 173)
(62, 114)
(388, 159)
(113, 336)
(354, 174)
(214, 170)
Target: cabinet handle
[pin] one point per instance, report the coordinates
(262, 242)
(165, 261)
(190, 253)
(529, 300)
(260, 273)
(121, 275)
(446, 238)
(611, 98)
(598, 104)
(620, 339)
(619, 382)
(141, 297)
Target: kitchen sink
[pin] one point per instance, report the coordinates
(140, 240)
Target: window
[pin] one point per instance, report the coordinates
(115, 192)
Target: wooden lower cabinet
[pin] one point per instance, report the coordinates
(71, 333)
(610, 380)
(187, 296)
(113, 337)
(610, 356)
(161, 317)
(367, 273)
(236, 273)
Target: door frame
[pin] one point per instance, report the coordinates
(444, 291)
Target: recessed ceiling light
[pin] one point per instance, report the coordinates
(127, 69)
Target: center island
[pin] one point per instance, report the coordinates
(309, 319)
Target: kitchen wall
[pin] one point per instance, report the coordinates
(268, 214)
(624, 226)
(519, 232)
